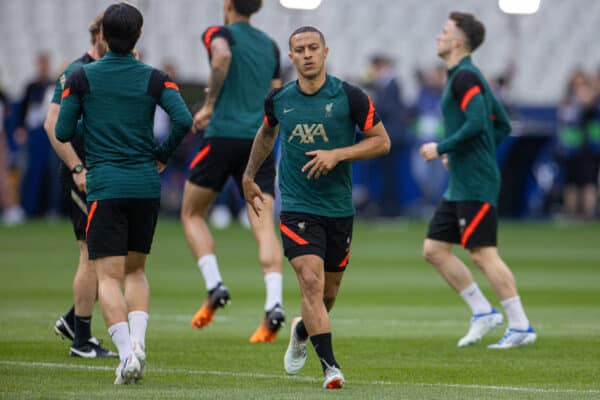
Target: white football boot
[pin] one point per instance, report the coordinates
(481, 325)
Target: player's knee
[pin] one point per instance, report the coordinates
(310, 282)
(483, 256)
(187, 211)
(432, 254)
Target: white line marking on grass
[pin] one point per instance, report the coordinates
(297, 378)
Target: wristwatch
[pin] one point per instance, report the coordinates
(78, 168)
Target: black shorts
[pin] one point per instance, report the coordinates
(326, 237)
(220, 158)
(469, 223)
(117, 226)
(582, 169)
(77, 206)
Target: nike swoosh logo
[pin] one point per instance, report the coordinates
(288, 110)
(84, 354)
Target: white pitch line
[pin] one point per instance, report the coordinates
(299, 378)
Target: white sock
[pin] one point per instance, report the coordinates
(273, 283)
(138, 321)
(515, 313)
(210, 271)
(476, 299)
(119, 333)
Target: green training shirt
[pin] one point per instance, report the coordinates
(325, 120)
(254, 64)
(117, 96)
(474, 123)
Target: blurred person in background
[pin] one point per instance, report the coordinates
(431, 177)
(12, 213)
(76, 324)
(474, 123)
(40, 189)
(230, 117)
(383, 175)
(578, 146)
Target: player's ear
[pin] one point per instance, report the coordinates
(326, 51)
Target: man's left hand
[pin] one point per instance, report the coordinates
(429, 151)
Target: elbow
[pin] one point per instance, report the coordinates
(47, 125)
(386, 145)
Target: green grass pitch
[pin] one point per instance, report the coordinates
(395, 324)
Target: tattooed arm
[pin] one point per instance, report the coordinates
(219, 66)
(261, 148)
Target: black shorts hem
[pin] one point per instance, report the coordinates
(297, 251)
(98, 255)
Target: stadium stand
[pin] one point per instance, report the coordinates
(404, 29)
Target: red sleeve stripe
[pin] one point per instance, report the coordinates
(208, 36)
(370, 115)
(292, 235)
(90, 217)
(171, 85)
(266, 121)
(468, 96)
(474, 224)
(65, 93)
(201, 154)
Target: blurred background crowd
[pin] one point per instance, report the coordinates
(549, 81)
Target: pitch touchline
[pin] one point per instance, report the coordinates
(298, 378)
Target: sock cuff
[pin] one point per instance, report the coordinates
(133, 314)
(207, 259)
(510, 301)
(300, 332)
(273, 276)
(115, 327)
(83, 316)
(472, 286)
(320, 336)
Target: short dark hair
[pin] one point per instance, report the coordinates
(471, 27)
(304, 29)
(247, 7)
(122, 26)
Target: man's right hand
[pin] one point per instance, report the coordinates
(253, 195)
(80, 180)
(202, 117)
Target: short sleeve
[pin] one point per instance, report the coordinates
(270, 119)
(58, 88)
(214, 32)
(158, 82)
(77, 84)
(362, 110)
(466, 85)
